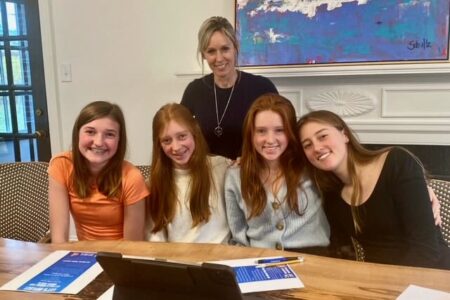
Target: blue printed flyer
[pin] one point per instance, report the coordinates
(65, 272)
(253, 278)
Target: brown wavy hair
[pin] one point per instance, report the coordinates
(109, 179)
(252, 163)
(163, 199)
(327, 181)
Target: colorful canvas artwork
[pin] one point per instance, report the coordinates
(300, 32)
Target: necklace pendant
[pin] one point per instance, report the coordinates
(218, 131)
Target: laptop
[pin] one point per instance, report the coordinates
(136, 278)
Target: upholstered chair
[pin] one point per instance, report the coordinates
(442, 190)
(24, 201)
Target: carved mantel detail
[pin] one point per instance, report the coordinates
(345, 103)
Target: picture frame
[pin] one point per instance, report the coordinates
(360, 35)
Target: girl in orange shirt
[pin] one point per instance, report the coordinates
(103, 192)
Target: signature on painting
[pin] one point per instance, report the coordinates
(415, 44)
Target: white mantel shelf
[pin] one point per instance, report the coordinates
(341, 70)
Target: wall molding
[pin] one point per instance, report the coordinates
(296, 97)
(413, 101)
(338, 70)
(376, 124)
(411, 131)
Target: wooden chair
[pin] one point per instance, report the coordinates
(442, 190)
(24, 201)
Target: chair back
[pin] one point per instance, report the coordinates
(442, 190)
(145, 170)
(359, 250)
(24, 201)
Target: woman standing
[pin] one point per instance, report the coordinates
(220, 100)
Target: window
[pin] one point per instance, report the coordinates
(24, 134)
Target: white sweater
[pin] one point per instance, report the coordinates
(180, 229)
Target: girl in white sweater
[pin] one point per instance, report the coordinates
(186, 185)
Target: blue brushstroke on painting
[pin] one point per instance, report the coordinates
(377, 31)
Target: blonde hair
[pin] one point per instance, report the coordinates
(208, 28)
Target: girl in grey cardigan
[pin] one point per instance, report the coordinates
(269, 202)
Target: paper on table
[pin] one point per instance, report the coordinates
(414, 292)
(108, 295)
(252, 279)
(60, 272)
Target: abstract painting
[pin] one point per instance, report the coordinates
(300, 32)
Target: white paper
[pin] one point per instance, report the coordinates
(414, 292)
(73, 288)
(263, 285)
(108, 295)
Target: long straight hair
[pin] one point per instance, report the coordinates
(253, 164)
(163, 199)
(327, 181)
(109, 179)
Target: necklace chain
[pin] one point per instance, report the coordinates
(219, 130)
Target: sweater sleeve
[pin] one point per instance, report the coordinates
(234, 206)
(414, 210)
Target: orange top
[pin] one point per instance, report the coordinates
(98, 217)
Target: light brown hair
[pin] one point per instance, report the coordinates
(357, 153)
(109, 179)
(252, 163)
(163, 199)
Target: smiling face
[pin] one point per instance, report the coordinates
(98, 142)
(269, 138)
(221, 56)
(177, 143)
(325, 146)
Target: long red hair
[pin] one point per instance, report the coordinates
(163, 199)
(252, 164)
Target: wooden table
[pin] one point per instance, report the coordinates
(324, 278)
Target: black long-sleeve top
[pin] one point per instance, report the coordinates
(199, 98)
(398, 224)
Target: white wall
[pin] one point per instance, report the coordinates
(126, 52)
(142, 53)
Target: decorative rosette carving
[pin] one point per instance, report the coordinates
(342, 102)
